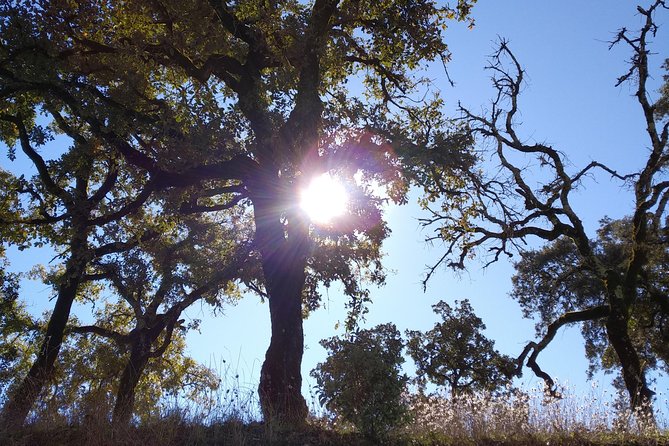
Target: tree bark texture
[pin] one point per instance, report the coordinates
(632, 371)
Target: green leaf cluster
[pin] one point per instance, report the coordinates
(554, 280)
(456, 353)
(361, 382)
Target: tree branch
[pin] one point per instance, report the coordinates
(121, 246)
(37, 160)
(308, 106)
(119, 338)
(589, 314)
(130, 207)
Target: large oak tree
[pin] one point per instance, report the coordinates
(243, 103)
(526, 191)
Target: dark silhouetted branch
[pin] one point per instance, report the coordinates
(537, 347)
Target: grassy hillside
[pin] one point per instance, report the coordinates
(514, 418)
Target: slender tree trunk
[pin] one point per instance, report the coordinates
(633, 374)
(22, 399)
(284, 253)
(125, 397)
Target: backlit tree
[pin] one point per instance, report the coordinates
(241, 104)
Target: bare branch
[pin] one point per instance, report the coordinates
(596, 164)
(589, 314)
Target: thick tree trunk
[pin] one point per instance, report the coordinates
(125, 397)
(280, 387)
(617, 331)
(284, 253)
(22, 399)
(633, 374)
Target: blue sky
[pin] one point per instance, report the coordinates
(569, 101)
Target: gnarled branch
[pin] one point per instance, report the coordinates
(535, 348)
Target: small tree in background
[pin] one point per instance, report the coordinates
(456, 354)
(361, 381)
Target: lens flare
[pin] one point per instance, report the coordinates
(324, 199)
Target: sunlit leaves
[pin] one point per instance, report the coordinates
(18, 333)
(159, 99)
(361, 381)
(90, 368)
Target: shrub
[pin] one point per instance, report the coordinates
(361, 381)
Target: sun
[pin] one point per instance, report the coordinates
(324, 199)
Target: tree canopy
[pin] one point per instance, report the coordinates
(169, 143)
(361, 382)
(553, 280)
(227, 109)
(455, 353)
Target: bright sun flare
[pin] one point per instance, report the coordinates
(324, 199)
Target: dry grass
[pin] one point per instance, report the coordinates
(515, 418)
(520, 418)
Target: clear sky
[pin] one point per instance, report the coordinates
(569, 101)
